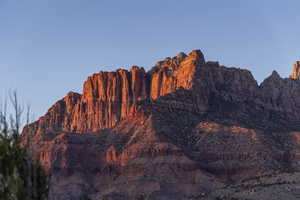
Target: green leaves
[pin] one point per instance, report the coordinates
(21, 177)
(11, 161)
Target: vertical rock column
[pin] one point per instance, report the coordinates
(111, 96)
(296, 71)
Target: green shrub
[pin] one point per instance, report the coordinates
(21, 178)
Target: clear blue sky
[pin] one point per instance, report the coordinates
(49, 47)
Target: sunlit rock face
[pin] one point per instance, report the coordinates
(296, 71)
(178, 131)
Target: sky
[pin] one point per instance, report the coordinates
(49, 47)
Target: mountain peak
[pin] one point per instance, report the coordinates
(275, 75)
(198, 55)
(182, 116)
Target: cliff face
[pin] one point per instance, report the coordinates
(281, 96)
(295, 71)
(178, 131)
(109, 97)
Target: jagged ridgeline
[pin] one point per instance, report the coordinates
(178, 131)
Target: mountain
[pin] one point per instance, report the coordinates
(186, 129)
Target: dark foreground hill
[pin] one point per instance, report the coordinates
(186, 129)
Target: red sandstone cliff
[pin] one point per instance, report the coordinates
(109, 97)
(295, 71)
(178, 131)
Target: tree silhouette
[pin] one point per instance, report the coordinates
(21, 178)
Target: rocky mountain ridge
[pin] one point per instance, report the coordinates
(179, 131)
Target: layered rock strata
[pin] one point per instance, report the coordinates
(179, 131)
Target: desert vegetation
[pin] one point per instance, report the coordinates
(21, 178)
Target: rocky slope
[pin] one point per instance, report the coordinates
(182, 130)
